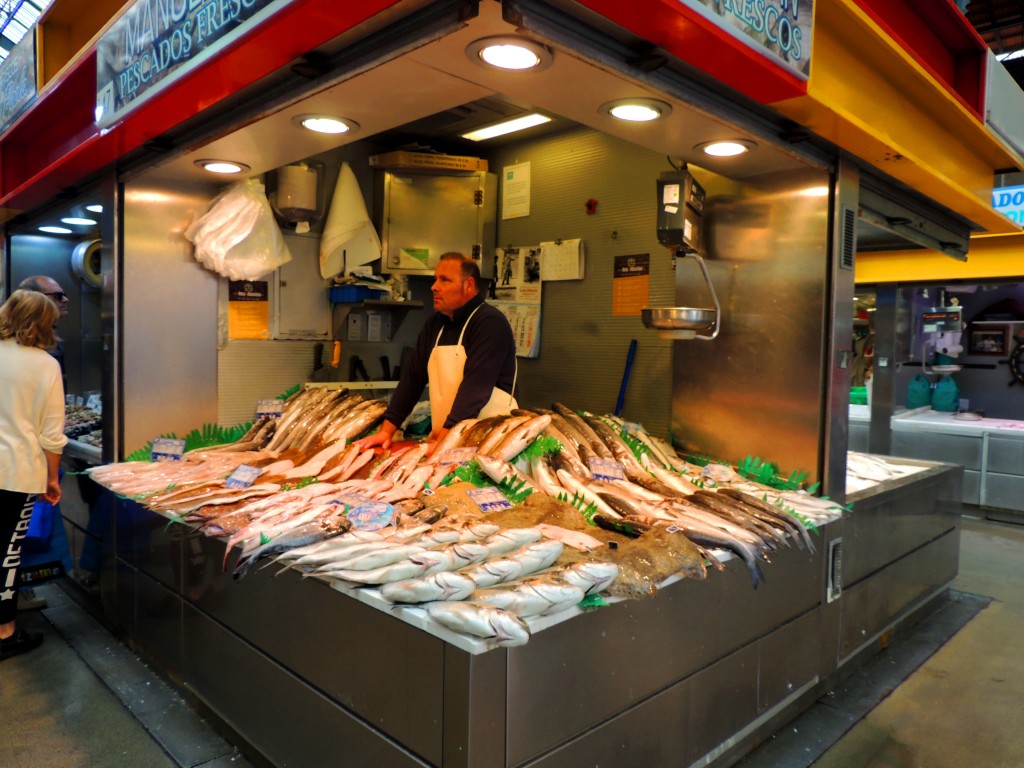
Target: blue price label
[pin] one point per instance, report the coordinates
(606, 469)
(243, 476)
(269, 408)
(167, 449)
(371, 516)
(489, 499)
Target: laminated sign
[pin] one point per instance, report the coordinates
(155, 42)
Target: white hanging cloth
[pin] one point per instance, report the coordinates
(349, 238)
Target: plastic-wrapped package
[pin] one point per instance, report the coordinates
(237, 236)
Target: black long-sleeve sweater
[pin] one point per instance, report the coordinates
(490, 361)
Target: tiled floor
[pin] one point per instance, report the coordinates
(84, 701)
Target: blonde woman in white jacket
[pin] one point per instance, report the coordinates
(31, 441)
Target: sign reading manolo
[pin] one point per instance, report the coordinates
(17, 81)
(780, 28)
(154, 42)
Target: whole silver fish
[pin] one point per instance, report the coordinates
(484, 621)
(590, 577)
(518, 438)
(533, 597)
(446, 585)
(509, 539)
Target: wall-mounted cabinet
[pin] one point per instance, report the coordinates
(425, 214)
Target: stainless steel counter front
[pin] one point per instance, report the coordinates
(695, 676)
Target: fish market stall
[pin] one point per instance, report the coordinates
(730, 662)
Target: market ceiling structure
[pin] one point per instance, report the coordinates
(16, 18)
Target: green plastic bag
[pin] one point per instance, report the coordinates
(919, 392)
(946, 396)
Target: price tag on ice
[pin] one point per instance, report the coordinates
(456, 456)
(367, 514)
(489, 499)
(269, 408)
(95, 402)
(243, 476)
(606, 469)
(167, 449)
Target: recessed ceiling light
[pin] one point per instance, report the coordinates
(641, 110)
(78, 221)
(55, 230)
(97, 208)
(729, 148)
(510, 53)
(814, 191)
(222, 166)
(507, 126)
(325, 123)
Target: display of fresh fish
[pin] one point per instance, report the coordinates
(517, 438)
(485, 621)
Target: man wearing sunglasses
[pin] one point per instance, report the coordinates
(51, 288)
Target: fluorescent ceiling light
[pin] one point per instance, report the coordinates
(78, 221)
(815, 192)
(55, 230)
(640, 110)
(325, 123)
(730, 148)
(508, 126)
(510, 53)
(222, 166)
(97, 208)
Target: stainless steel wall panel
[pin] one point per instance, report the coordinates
(897, 518)
(972, 487)
(553, 694)
(875, 603)
(655, 733)
(758, 388)
(382, 669)
(789, 659)
(475, 696)
(168, 323)
(1004, 491)
(159, 625)
(723, 700)
(286, 720)
(952, 449)
(583, 347)
(859, 437)
(1005, 456)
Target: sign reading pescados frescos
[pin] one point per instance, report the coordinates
(781, 28)
(156, 41)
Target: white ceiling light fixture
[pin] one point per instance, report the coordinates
(78, 221)
(50, 230)
(821, 191)
(507, 126)
(729, 148)
(639, 110)
(222, 166)
(325, 123)
(95, 208)
(510, 53)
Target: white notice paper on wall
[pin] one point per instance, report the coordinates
(515, 191)
(562, 260)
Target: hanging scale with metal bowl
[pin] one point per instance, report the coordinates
(680, 210)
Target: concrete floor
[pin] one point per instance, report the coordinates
(84, 701)
(963, 706)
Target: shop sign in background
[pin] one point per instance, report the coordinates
(1009, 201)
(154, 42)
(779, 27)
(17, 81)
